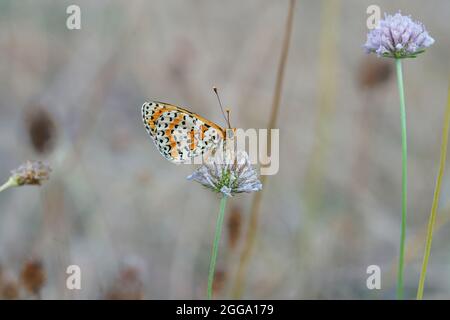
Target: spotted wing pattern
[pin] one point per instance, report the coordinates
(179, 135)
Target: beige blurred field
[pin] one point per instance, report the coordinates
(130, 219)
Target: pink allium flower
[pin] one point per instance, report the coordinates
(398, 36)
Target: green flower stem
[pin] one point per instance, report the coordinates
(435, 204)
(215, 248)
(8, 184)
(398, 64)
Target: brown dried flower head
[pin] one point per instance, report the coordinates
(31, 173)
(41, 129)
(33, 276)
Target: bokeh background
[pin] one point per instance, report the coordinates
(130, 219)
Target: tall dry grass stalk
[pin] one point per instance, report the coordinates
(249, 240)
(436, 196)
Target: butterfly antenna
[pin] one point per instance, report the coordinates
(227, 119)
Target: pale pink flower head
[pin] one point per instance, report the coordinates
(398, 36)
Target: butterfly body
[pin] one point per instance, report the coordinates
(179, 134)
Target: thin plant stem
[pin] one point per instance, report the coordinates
(8, 184)
(256, 203)
(398, 65)
(435, 204)
(215, 248)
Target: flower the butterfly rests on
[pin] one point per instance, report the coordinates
(228, 173)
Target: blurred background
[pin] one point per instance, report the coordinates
(130, 219)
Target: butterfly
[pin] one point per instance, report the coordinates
(179, 134)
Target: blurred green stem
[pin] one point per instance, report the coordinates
(215, 249)
(8, 184)
(398, 64)
(435, 204)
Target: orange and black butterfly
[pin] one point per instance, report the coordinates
(179, 134)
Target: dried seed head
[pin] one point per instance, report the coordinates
(31, 173)
(41, 129)
(33, 277)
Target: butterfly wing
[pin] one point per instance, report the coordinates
(179, 135)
